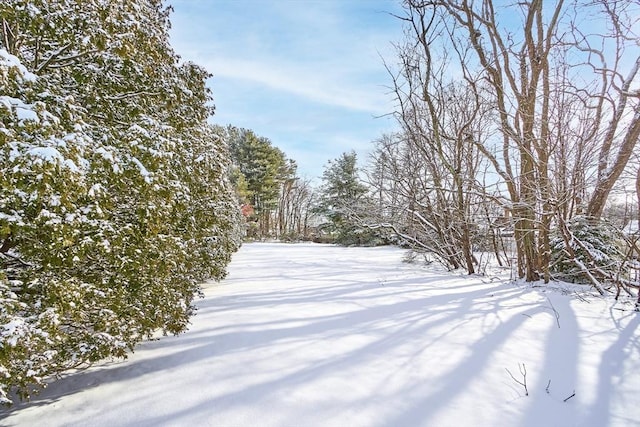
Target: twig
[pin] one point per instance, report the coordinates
(555, 312)
(523, 372)
(573, 394)
(581, 298)
(548, 385)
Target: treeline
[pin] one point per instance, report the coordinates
(115, 197)
(278, 204)
(275, 201)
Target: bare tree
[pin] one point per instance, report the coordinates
(617, 100)
(428, 172)
(563, 105)
(294, 210)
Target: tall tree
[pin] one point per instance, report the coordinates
(265, 169)
(341, 196)
(529, 62)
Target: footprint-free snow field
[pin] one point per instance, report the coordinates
(315, 335)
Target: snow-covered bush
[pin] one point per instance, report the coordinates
(585, 244)
(114, 197)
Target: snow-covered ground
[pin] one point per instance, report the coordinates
(313, 335)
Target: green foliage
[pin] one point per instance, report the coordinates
(115, 201)
(261, 164)
(260, 171)
(343, 198)
(595, 244)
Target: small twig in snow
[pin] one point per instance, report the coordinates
(548, 385)
(573, 394)
(523, 372)
(581, 298)
(555, 312)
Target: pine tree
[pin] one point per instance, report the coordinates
(264, 168)
(587, 247)
(342, 197)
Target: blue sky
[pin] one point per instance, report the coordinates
(307, 74)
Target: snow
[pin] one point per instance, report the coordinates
(138, 129)
(14, 329)
(143, 171)
(95, 189)
(48, 154)
(108, 156)
(632, 227)
(105, 154)
(24, 111)
(8, 60)
(314, 335)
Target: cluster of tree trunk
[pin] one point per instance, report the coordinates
(514, 119)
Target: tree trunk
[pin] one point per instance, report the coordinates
(610, 177)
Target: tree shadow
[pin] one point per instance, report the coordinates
(391, 323)
(611, 378)
(556, 379)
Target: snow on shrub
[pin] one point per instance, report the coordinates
(107, 224)
(586, 243)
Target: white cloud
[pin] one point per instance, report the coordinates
(324, 51)
(311, 81)
(307, 75)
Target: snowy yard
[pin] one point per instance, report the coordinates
(312, 335)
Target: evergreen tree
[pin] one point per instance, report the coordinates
(342, 199)
(115, 200)
(264, 168)
(586, 248)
